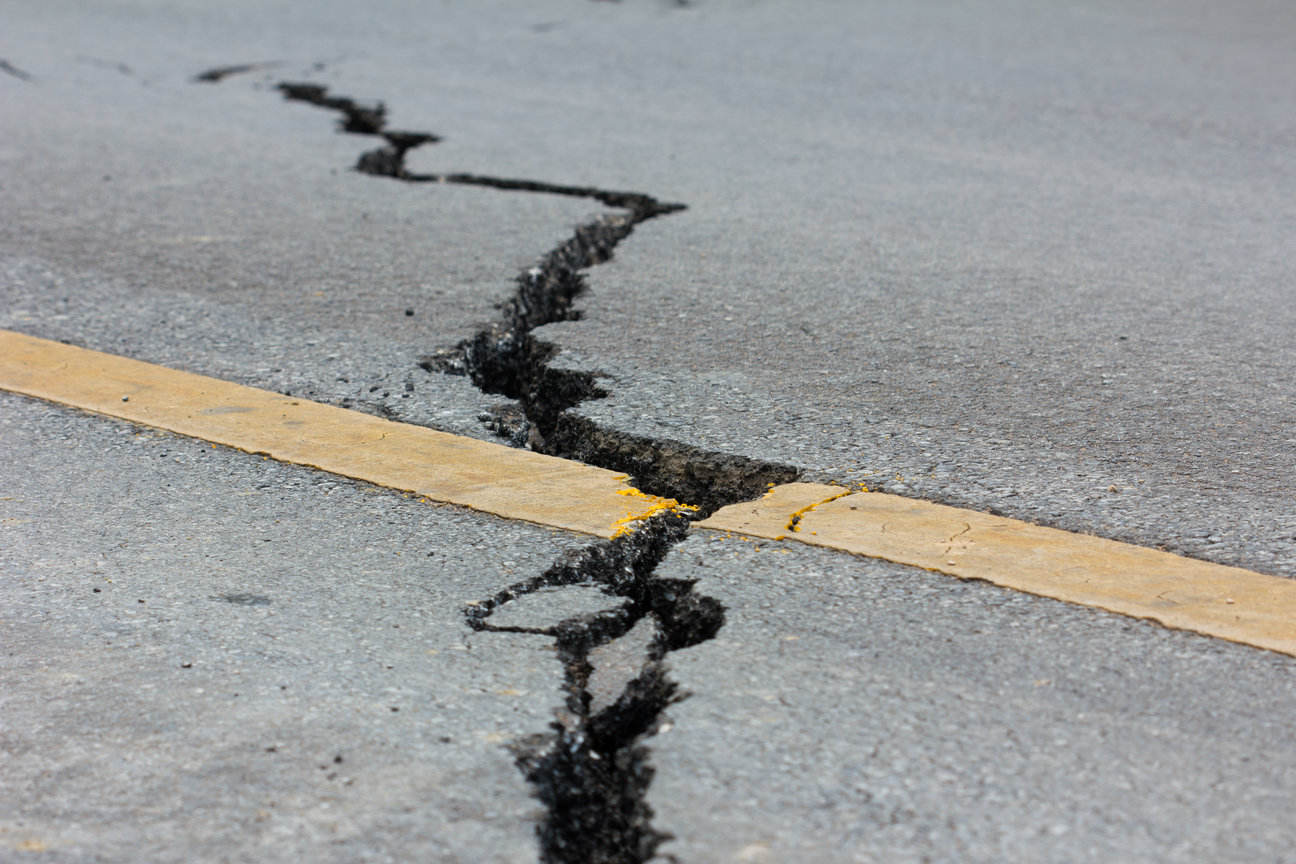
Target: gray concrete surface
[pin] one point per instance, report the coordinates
(1007, 255)
(213, 657)
(219, 229)
(860, 711)
(994, 254)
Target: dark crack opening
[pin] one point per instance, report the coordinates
(591, 770)
(505, 358)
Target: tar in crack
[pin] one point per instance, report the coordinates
(505, 358)
(591, 770)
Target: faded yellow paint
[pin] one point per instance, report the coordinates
(1227, 602)
(770, 515)
(1184, 593)
(515, 484)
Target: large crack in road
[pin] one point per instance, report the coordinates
(591, 770)
(505, 358)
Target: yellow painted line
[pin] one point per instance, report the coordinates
(771, 515)
(1183, 593)
(515, 484)
(1226, 602)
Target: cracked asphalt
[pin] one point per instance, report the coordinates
(1027, 259)
(209, 656)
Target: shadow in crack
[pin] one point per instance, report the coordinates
(591, 769)
(505, 358)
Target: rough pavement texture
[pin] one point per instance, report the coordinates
(210, 656)
(1019, 257)
(220, 230)
(1004, 256)
(855, 710)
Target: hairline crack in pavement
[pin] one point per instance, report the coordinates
(591, 771)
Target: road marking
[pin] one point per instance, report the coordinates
(515, 484)
(1183, 593)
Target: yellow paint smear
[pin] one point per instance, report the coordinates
(1184, 593)
(514, 484)
(653, 505)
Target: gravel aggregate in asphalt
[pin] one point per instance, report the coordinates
(212, 656)
(1013, 258)
(1028, 259)
(221, 230)
(856, 710)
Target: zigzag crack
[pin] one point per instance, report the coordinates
(504, 358)
(591, 770)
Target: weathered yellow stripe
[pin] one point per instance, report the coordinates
(515, 484)
(1226, 602)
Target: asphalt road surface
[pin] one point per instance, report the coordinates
(1028, 259)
